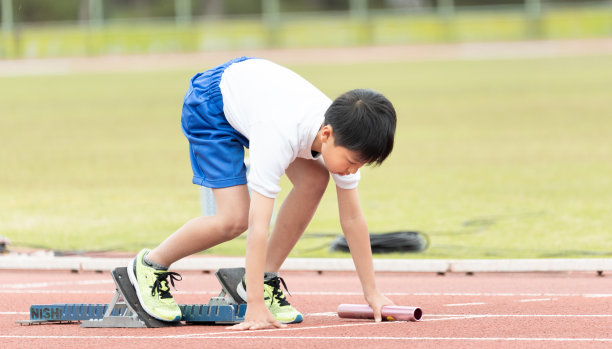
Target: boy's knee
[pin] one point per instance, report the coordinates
(234, 225)
(322, 179)
(316, 182)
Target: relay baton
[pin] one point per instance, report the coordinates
(389, 312)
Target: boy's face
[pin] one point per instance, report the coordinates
(338, 159)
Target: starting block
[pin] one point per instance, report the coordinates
(125, 310)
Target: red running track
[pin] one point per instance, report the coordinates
(544, 310)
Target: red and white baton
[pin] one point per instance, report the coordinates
(389, 312)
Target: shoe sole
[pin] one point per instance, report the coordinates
(297, 320)
(134, 282)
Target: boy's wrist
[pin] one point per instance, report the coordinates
(369, 290)
(256, 303)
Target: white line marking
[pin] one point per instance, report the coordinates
(108, 291)
(57, 291)
(504, 294)
(461, 294)
(522, 339)
(463, 304)
(448, 318)
(329, 313)
(55, 283)
(14, 313)
(419, 294)
(361, 323)
(148, 337)
(536, 300)
(595, 295)
(440, 317)
(522, 315)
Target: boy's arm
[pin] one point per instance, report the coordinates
(357, 236)
(257, 315)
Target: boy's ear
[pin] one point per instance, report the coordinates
(326, 132)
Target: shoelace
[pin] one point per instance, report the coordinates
(161, 283)
(277, 293)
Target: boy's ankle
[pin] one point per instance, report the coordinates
(152, 264)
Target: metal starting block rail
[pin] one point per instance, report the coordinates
(125, 309)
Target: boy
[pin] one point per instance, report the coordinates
(290, 128)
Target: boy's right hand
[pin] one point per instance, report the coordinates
(257, 317)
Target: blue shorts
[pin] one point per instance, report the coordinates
(215, 147)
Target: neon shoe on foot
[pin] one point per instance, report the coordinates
(275, 300)
(152, 288)
(279, 307)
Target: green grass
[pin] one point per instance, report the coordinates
(519, 148)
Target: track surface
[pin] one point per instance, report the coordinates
(198, 60)
(546, 310)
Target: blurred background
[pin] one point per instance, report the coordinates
(39, 28)
(503, 146)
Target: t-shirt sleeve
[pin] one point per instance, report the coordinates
(270, 154)
(347, 182)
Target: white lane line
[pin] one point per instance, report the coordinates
(14, 313)
(463, 304)
(55, 283)
(56, 291)
(511, 339)
(15, 289)
(505, 294)
(108, 291)
(462, 294)
(330, 338)
(329, 313)
(597, 295)
(290, 328)
(441, 317)
(536, 300)
(521, 315)
(448, 318)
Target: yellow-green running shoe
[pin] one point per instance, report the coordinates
(275, 300)
(152, 288)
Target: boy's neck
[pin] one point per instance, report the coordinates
(316, 144)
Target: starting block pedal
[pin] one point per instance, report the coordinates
(125, 309)
(229, 278)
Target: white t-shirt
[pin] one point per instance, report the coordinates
(280, 113)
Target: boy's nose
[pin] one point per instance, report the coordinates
(353, 169)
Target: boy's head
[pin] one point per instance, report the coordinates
(363, 121)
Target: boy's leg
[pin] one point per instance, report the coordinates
(148, 272)
(202, 233)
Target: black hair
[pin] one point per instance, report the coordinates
(363, 121)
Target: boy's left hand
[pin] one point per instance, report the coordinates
(376, 301)
(257, 317)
